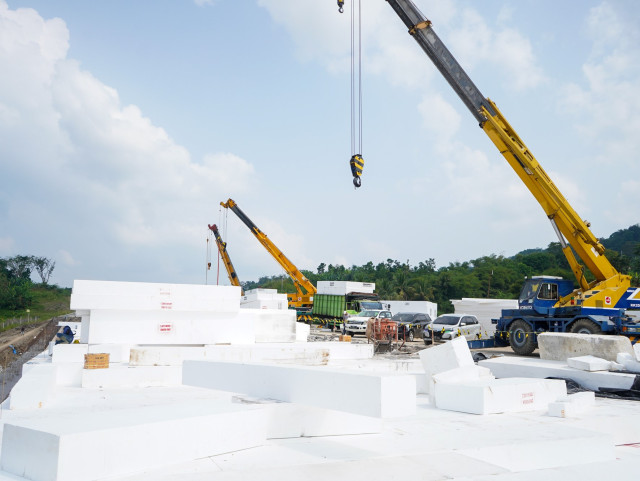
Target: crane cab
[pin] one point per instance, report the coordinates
(541, 293)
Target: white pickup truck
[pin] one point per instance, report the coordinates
(358, 324)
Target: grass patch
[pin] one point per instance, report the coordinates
(48, 302)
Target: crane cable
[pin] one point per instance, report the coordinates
(357, 161)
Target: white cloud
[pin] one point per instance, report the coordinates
(92, 164)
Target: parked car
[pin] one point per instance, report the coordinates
(450, 326)
(411, 324)
(358, 324)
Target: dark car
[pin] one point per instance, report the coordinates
(411, 324)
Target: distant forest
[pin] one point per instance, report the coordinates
(491, 276)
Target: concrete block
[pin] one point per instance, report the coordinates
(121, 376)
(382, 395)
(589, 363)
(293, 420)
(511, 366)
(89, 445)
(492, 396)
(69, 353)
(573, 405)
(302, 332)
(559, 346)
(164, 355)
(447, 356)
(35, 388)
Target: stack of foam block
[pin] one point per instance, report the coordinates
(264, 299)
(174, 314)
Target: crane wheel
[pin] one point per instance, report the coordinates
(521, 338)
(585, 326)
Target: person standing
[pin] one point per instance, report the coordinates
(345, 316)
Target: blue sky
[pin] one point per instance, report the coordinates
(124, 124)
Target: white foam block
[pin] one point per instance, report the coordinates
(164, 355)
(628, 361)
(369, 394)
(512, 366)
(69, 374)
(292, 420)
(35, 388)
(83, 446)
(491, 396)
(447, 356)
(636, 350)
(122, 376)
(69, 353)
(272, 325)
(559, 346)
(168, 327)
(309, 354)
(573, 405)
(302, 332)
(589, 363)
(117, 352)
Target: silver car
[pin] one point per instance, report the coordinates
(450, 326)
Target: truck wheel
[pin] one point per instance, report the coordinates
(521, 339)
(585, 326)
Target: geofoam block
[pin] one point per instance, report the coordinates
(491, 396)
(447, 356)
(122, 376)
(589, 363)
(573, 405)
(96, 445)
(69, 353)
(35, 388)
(383, 395)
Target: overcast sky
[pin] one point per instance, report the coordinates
(124, 124)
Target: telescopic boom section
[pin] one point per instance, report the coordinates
(564, 219)
(222, 249)
(300, 282)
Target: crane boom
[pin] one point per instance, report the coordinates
(222, 249)
(572, 231)
(305, 290)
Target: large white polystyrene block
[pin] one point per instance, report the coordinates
(446, 356)
(69, 374)
(69, 353)
(164, 355)
(302, 332)
(117, 352)
(144, 295)
(463, 374)
(512, 366)
(492, 396)
(628, 361)
(84, 446)
(293, 420)
(636, 350)
(573, 405)
(272, 325)
(309, 354)
(169, 327)
(370, 394)
(35, 388)
(559, 346)
(122, 376)
(265, 304)
(340, 288)
(589, 363)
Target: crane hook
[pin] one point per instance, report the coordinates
(340, 5)
(357, 164)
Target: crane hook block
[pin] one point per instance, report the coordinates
(340, 5)
(357, 164)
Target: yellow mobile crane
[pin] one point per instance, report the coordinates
(222, 249)
(545, 304)
(302, 300)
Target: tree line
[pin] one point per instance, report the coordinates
(15, 279)
(491, 276)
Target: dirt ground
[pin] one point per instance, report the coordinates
(20, 341)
